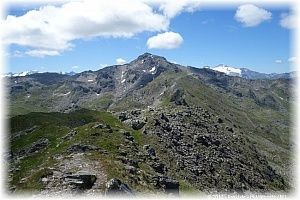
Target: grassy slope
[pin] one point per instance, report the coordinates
(56, 125)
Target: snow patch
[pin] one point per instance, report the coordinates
(66, 93)
(97, 94)
(228, 70)
(152, 70)
(90, 80)
(122, 76)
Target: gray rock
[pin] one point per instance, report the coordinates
(150, 151)
(123, 116)
(82, 180)
(130, 169)
(71, 134)
(137, 124)
(167, 184)
(159, 167)
(116, 187)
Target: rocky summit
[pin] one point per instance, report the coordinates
(149, 127)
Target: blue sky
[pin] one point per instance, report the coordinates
(210, 36)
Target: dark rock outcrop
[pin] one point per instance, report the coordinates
(82, 180)
(167, 184)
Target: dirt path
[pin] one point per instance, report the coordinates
(72, 164)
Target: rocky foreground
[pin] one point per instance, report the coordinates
(185, 148)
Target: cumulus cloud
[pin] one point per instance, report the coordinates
(41, 53)
(51, 29)
(120, 61)
(75, 67)
(171, 9)
(288, 21)
(250, 15)
(278, 61)
(167, 40)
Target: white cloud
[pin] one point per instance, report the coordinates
(75, 67)
(171, 9)
(167, 40)
(41, 53)
(288, 21)
(120, 61)
(55, 27)
(51, 29)
(278, 61)
(292, 59)
(250, 15)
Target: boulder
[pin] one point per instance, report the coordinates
(137, 124)
(163, 117)
(130, 169)
(115, 186)
(203, 139)
(71, 134)
(124, 132)
(150, 151)
(123, 116)
(159, 167)
(98, 125)
(82, 180)
(220, 120)
(169, 185)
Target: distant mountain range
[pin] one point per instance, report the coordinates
(230, 71)
(26, 73)
(249, 74)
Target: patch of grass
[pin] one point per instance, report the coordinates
(101, 103)
(185, 187)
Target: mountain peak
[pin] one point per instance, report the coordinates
(149, 56)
